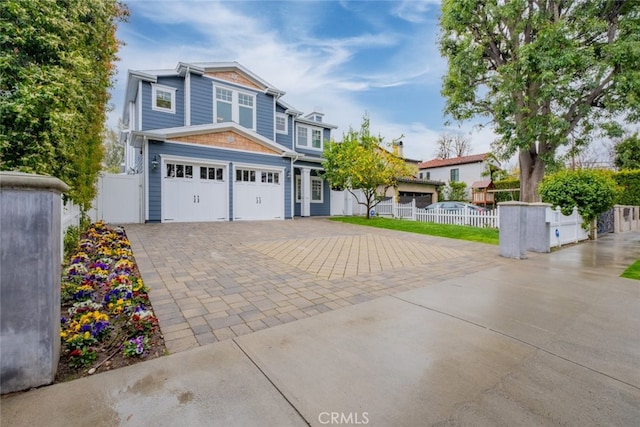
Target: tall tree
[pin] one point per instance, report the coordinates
(452, 145)
(113, 151)
(363, 162)
(56, 66)
(627, 153)
(541, 70)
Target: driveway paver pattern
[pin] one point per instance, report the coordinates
(215, 281)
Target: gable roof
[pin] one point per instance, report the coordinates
(177, 132)
(199, 68)
(437, 163)
(483, 184)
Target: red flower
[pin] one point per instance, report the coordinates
(75, 352)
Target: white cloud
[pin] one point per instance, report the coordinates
(414, 10)
(313, 71)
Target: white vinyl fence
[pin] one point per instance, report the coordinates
(488, 219)
(70, 215)
(118, 202)
(565, 229)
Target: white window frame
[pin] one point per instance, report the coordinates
(286, 123)
(299, 188)
(235, 105)
(310, 130)
(154, 97)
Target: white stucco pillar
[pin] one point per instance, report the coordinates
(305, 192)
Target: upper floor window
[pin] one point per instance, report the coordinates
(281, 123)
(455, 175)
(234, 106)
(309, 137)
(302, 136)
(163, 98)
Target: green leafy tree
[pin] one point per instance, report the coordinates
(628, 153)
(592, 191)
(541, 71)
(362, 162)
(455, 190)
(113, 151)
(56, 66)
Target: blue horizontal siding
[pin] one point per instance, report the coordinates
(286, 139)
(265, 115)
(152, 119)
(201, 100)
(209, 153)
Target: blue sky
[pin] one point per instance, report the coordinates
(345, 57)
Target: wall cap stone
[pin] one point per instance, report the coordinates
(12, 179)
(513, 203)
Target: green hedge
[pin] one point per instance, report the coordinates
(507, 184)
(629, 182)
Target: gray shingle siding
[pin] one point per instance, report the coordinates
(152, 119)
(209, 153)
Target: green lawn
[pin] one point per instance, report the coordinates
(633, 271)
(482, 235)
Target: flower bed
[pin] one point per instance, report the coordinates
(107, 319)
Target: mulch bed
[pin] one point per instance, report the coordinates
(107, 321)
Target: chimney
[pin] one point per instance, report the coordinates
(398, 149)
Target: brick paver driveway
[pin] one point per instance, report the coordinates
(215, 281)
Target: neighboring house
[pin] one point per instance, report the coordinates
(411, 187)
(215, 142)
(424, 190)
(467, 169)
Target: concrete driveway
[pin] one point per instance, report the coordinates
(215, 281)
(552, 340)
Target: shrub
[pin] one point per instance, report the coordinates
(507, 184)
(455, 190)
(592, 191)
(629, 183)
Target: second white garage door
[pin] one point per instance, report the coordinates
(258, 194)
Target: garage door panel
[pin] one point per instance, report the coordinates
(258, 195)
(193, 192)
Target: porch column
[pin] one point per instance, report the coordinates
(305, 192)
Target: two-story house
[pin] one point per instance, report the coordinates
(215, 142)
(467, 169)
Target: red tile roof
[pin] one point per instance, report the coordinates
(436, 163)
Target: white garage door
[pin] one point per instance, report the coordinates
(258, 194)
(194, 192)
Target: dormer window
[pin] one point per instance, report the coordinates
(309, 137)
(281, 123)
(163, 98)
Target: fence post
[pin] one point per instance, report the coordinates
(413, 209)
(513, 230)
(576, 230)
(538, 239)
(30, 259)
